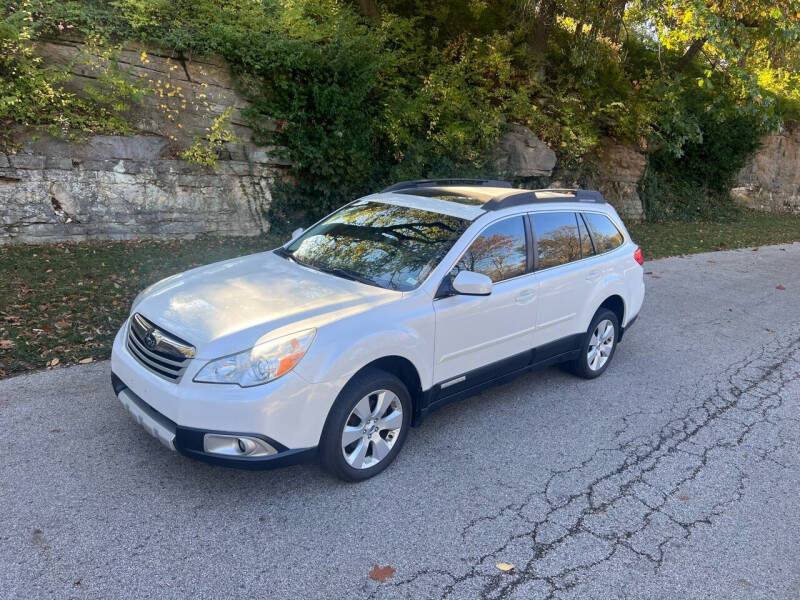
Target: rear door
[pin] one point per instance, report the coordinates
(474, 332)
(565, 279)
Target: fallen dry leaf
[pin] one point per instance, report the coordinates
(53, 362)
(85, 361)
(505, 567)
(683, 497)
(381, 573)
(779, 287)
(6, 344)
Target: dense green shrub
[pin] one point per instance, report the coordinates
(692, 180)
(31, 94)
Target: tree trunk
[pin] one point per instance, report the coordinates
(613, 19)
(369, 8)
(543, 25)
(690, 53)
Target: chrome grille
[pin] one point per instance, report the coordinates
(162, 353)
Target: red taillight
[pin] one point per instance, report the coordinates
(637, 256)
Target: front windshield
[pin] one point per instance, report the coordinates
(393, 247)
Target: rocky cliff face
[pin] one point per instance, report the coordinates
(519, 153)
(771, 180)
(186, 94)
(120, 187)
(620, 166)
(114, 187)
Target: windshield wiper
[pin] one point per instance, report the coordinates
(283, 252)
(345, 274)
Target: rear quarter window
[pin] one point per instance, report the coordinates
(606, 235)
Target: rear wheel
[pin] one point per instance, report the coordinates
(598, 346)
(367, 426)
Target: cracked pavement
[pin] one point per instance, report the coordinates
(676, 474)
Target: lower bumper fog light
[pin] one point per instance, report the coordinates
(236, 445)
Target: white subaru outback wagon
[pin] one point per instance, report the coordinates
(331, 346)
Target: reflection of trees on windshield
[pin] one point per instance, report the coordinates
(558, 246)
(499, 252)
(394, 246)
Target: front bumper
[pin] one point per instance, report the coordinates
(289, 410)
(189, 440)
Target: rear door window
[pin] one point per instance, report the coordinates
(557, 238)
(606, 235)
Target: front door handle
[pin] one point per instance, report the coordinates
(526, 296)
(593, 275)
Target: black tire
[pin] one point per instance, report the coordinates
(363, 384)
(580, 366)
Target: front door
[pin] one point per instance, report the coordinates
(474, 334)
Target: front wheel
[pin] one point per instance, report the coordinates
(598, 346)
(367, 426)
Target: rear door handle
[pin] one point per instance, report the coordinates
(593, 275)
(526, 296)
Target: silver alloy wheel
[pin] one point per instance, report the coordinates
(371, 429)
(600, 345)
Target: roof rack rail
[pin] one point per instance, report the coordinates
(423, 183)
(579, 195)
(523, 197)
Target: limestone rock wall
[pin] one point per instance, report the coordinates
(620, 168)
(186, 94)
(121, 187)
(521, 155)
(771, 180)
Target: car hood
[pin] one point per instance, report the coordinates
(230, 306)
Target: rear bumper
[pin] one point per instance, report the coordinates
(189, 440)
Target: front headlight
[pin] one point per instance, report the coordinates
(262, 363)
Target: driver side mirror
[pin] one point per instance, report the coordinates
(297, 233)
(470, 283)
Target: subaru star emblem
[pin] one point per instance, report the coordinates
(150, 340)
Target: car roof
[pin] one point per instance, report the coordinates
(474, 198)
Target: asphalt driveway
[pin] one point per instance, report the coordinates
(675, 475)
